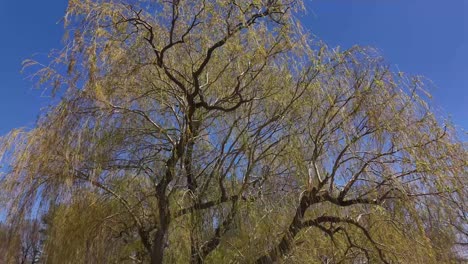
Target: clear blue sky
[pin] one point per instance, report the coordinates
(427, 37)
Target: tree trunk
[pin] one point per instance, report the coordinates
(160, 238)
(157, 254)
(286, 244)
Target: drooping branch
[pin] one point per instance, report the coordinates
(334, 219)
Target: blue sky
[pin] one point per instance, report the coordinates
(424, 37)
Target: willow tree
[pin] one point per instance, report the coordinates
(218, 131)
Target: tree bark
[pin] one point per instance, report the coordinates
(159, 241)
(286, 244)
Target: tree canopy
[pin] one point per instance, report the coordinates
(216, 131)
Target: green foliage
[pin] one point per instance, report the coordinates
(219, 132)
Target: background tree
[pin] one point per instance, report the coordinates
(218, 131)
(21, 244)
